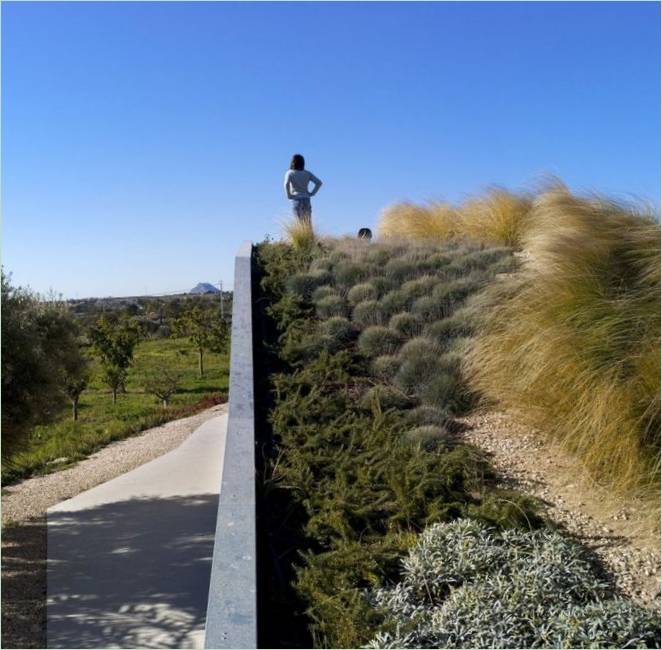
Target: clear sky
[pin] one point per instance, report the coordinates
(143, 142)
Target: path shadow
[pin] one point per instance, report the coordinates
(24, 584)
(131, 574)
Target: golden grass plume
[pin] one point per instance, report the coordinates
(572, 342)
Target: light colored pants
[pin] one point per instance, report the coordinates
(301, 209)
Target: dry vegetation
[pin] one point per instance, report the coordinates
(571, 341)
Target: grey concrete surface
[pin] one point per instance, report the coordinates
(129, 561)
(232, 609)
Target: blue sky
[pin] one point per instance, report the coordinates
(143, 142)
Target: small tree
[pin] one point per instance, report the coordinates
(114, 377)
(205, 329)
(163, 384)
(39, 339)
(75, 379)
(114, 342)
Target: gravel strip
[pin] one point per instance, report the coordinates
(613, 529)
(31, 498)
(24, 521)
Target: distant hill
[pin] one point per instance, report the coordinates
(204, 287)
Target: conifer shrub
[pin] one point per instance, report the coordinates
(332, 305)
(407, 324)
(385, 366)
(323, 292)
(360, 292)
(339, 329)
(466, 584)
(368, 312)
(377, 340)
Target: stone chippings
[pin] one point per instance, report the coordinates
(524, 462)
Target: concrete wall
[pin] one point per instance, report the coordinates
(232, 606)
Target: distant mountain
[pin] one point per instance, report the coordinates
(204, 287)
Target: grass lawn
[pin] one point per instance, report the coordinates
(100, 421)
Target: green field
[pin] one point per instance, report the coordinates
(100, 422)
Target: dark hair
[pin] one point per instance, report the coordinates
(297, 161)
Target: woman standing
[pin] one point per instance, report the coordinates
(297, 180)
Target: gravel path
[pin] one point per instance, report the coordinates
(24, 521)
(615, 530)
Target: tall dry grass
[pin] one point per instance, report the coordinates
(571, 343)
(497, 218)
(300, 234)
(432, 222)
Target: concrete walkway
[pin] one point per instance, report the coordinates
(129, 560)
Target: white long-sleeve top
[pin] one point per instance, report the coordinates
(297, 182)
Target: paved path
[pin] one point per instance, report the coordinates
(129, 560)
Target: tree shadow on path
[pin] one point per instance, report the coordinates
(133, 573)
(24, 584)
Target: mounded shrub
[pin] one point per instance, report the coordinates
(443, 331)
(305, 283)
(360, 292)
(466, 584)
(430, 308)
(419, 287)
(409, 325)
(429, 437)
(379, 256)
(323, 292)
(439, 260)
(377, 340)
(338, 328)
(419, 363)
(332, 305)
(381, 284)
(387, 397)
(427, 415)
(385, 366)
(368, 312)
(394, 302)
(350, 273)
(399, 270)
